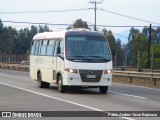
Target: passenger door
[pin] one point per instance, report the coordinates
(56, 44)
(58, 59)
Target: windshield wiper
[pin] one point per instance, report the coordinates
(107, 60)
(76, 56)
(81, 57)
(89, 58)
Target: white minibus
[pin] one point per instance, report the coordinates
(71, 58)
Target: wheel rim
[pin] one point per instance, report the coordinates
(39, 80)
(59, 85)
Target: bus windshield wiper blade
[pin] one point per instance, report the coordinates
(90, 57)
(76, 56)
(107, 60)
(81, 57)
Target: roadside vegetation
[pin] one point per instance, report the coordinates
(13, 41)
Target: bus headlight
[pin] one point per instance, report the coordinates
(71, 70)
(107, 71)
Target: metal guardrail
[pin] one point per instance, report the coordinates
(19, 67)
(135, 69)
(130, 74)
(153, 76)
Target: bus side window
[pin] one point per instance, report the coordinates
(50, 47)
(55, 47)
(37, 47)
(33, 47)
(43, 47)
(61, 49)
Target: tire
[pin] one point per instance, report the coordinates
(103, 89)
(61, 88)
(42, 84)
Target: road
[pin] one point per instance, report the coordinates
(19, 93)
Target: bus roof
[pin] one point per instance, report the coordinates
(61, 34)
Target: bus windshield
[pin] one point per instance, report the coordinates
(87, 49)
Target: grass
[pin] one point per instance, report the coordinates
(145, 82)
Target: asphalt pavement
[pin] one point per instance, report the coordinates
(18, 92)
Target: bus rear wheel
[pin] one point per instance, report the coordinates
(42, 84)
(61, 87)
(103, 89)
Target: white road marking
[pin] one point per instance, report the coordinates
(4, 74)
(112, 83)
(81, 105)
(128, 95)
(135, 86)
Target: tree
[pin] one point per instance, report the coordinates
(23, 40)
(80, 24)
(116, 47)
(111, 39)
(155, 48)
(8, 39)
(1, 25)
(138, 41)
(1, 40)
(14, 41)
(46, 28)
(42, 28)
(120, 53)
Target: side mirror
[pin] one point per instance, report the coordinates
(58, 50)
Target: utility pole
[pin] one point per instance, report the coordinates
(126, 57)
(95, 12)
(138, 69)
(152, 60)
(149, 44)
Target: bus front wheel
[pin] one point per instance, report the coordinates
(61, 87)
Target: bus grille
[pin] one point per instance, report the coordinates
(90, 75)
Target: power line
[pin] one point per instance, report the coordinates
(124, 26)
(74, 13)
(129, 16)
(33, 23)
(51, 24)
(82, 9)
(20, 26)
(28, 12)
(71, 24)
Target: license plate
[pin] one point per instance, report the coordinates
(91, 76)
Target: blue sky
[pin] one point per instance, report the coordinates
(143, 9)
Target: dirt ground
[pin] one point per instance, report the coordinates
(145, 82)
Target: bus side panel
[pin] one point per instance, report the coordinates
(54, 68)
(33, 67)
(45, 67)
(60, 68)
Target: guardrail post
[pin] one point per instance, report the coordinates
(154, 80)
(130, 78)
(14, 58)
(0, 58)
(18, 58)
